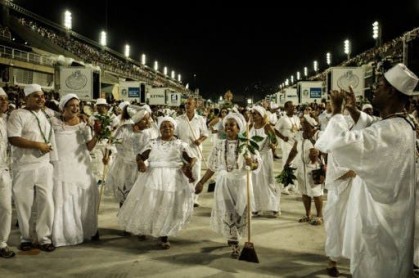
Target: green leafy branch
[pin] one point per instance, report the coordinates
(103, 128)
(248, 144)
(286, 177)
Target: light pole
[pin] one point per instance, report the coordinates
(143, 59)
(156, 65)
(103, 38)
(127, 50)
(376, 33)
(315, 66)
(328, 59)
(165, 70)
(347, 48)
(305, 72)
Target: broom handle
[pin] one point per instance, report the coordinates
(248, 191)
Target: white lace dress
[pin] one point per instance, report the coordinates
(266, 194)
(228, 216)
(75, 191)
(160, 202)
(123, 171)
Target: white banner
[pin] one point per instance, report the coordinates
(77, 81)
(157, 97)
(343, 77)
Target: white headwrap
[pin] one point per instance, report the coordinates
(166, 118)
(2, 92)
(260, 110)
(65, 99)
(137, 113)
(139, 116)
(240, 120)
(366, 106)
(123, 104)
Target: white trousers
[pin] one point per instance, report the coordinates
(25, 182)
(196, 172)
(5, 207)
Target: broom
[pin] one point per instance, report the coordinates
(248, 252)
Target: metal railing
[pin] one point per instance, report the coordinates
(24, 56)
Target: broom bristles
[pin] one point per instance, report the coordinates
(248, 253)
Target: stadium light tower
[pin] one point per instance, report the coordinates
(165, 70)
(172, 74)
(315, 66)
(103, 38)
(376, 33)
(68, 20)
(179, 77)
(292, 79)
(287, 82)
(305, 71)
(143, 59)
(298, 75)
(127, 50)
(347, 48)
(328, 58)
(156, 65)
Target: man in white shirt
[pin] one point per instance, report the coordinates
(5, 182)
(287, 128)
(32, 139)
(192, 129)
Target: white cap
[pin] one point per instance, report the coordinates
(66, 99)
(101, 101)
(2, 92)
(366, 106)
(401, 78)
(32, 88)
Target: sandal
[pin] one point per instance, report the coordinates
(26, 246)
(316, 221)
(304, 219)
(332, 271)
(6, 253)
(165, 245)
(49, 247)
(235, 254)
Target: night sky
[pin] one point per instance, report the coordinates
(242, 49)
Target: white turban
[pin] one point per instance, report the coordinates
(32, 88)
(139, 116)
(366, 106)
(66, 99)
(260, 110)
(123, 104)
(2, 92)
(166, 118)
(241, 122)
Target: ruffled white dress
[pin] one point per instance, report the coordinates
(75, 191)
(123, 172)
(161, 200)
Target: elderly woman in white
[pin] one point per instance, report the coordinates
(161, 201)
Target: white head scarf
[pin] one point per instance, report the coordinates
(65, 99)
(240, 120)
(166, 118)
(260, 110)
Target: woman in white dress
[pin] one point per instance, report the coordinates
(160, 203)
(131, 138)
(266, 194)
(75, 191)
(228, 216)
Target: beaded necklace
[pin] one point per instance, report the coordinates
(39, 126)
(231, 167)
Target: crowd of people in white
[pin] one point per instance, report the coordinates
(53, 164)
